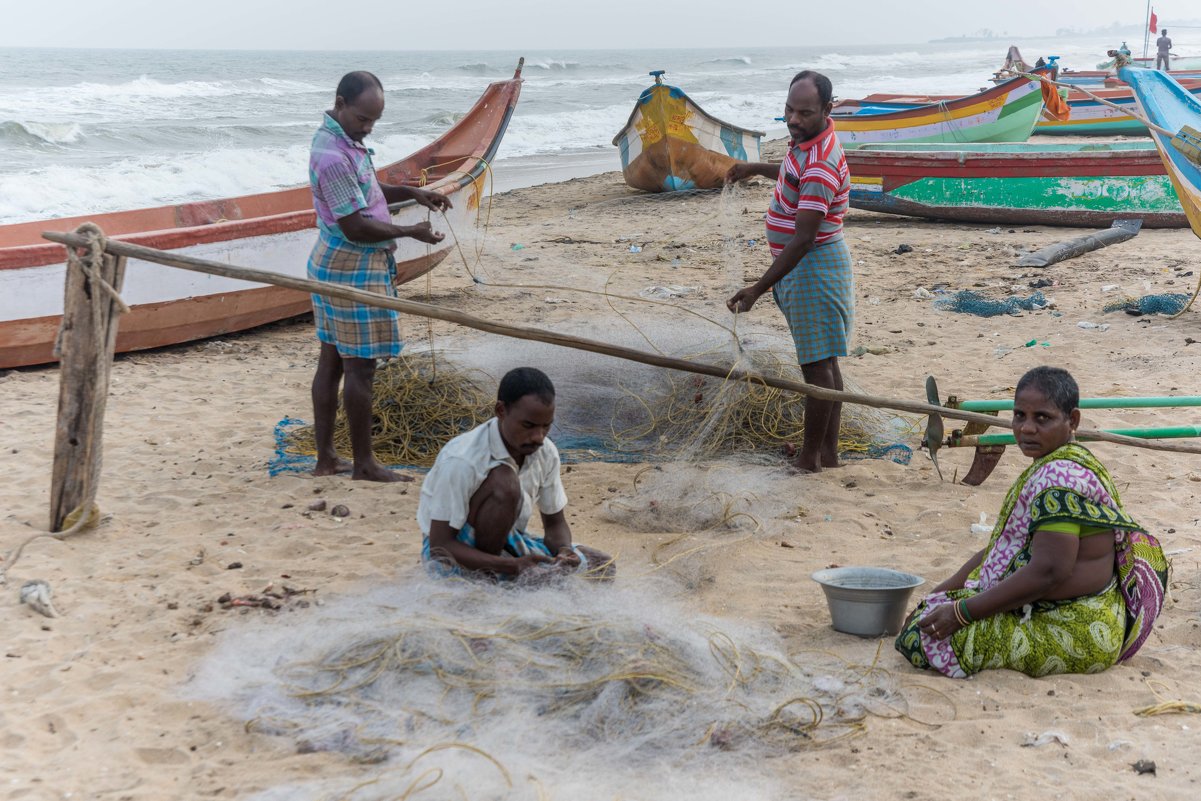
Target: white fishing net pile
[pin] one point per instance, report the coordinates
(576, 691)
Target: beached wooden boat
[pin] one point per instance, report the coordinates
(1091, 78)
(1178, 63)
(1166, 103)
(1082, 184)
(1090, 118)
(274, 231)
(1005, 113)
(1087, 116)
(670, 144)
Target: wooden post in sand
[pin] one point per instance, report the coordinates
(85, 346)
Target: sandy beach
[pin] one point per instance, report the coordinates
(100, 702)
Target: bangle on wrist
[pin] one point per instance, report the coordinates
(963, 608)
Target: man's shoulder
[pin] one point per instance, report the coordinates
(467, 443)
(327, 149)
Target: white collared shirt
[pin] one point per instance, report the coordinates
(464, 463)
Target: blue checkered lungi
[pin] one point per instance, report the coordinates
(518, 544)
(358, 331)
(818, 301)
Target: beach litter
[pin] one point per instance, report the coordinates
(669, 291)
(1168, 304)
(1032, 740)
(36, 595)
(969, 302)
(1089, 326)
(267, 598)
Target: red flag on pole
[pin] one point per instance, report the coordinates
(1154, 22)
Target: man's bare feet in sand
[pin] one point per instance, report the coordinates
(374, 471)
(337, 466)
(803, 466)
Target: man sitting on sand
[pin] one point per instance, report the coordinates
(354, 249)
(477, 500)
(1068, 583)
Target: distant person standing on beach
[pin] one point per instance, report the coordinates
(1162, 45)
(810, 274)
(354, 248)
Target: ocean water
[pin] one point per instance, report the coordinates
(85, 131)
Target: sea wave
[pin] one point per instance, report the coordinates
(155, 180)
(138, 182)
(136, 92)
(445, 118)
(551, 64)
(730, 60)
(40, 133)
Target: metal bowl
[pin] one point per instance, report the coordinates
(867, 601)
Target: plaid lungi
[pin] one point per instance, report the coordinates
(518, 544)
(818, 301)
(356, 330)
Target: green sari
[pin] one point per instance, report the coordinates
(1078, 635)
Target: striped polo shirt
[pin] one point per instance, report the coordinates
(813, 176)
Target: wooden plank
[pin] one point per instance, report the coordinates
(86, 342)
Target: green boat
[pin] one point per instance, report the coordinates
(1078, 184)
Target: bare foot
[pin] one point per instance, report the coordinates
(338, 465)
(803, 466)
(377, 472)
(831, 461)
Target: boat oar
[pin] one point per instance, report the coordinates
(1186, 140)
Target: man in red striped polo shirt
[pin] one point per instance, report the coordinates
(810, 274)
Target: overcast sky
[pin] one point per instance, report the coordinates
(540, 24)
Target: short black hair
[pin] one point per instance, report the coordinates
(522, 381)
(1056, 383)
(355, 83)
(825, 89)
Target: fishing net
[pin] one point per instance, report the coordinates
(968, 302)
(700, 418)
(1168, 304)
(587, 689)
(420, 403)
(609, 408)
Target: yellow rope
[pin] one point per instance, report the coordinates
(1165, 706)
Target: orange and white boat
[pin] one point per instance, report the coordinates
(272, 231)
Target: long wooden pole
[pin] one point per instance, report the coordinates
(87, 340)
(567, 341)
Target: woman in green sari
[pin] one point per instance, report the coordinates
(1068, 582)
